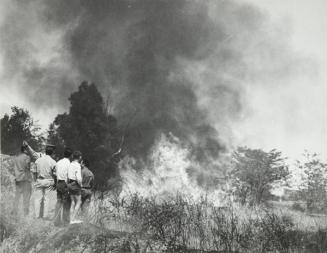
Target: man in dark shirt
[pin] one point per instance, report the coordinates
(87, 185)
(23, 180)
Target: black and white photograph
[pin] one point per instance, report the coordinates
(145, 126)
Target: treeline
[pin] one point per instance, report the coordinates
(255, 173)
(87, 127)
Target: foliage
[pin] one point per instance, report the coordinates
(313, 188)
(254, 173)
(16, 128)
(87, 127)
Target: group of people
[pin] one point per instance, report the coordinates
(70, 177)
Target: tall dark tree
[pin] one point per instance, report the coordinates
(88, 128)
(16, 128)
(254, 173)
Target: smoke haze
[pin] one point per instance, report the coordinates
(185, 67)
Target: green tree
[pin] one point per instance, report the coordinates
(17, 127)
(87, 127)
(254, 173)
(313, 187)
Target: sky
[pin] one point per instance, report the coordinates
(294, 118)
(289, 114)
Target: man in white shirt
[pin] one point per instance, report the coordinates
(74, 184)
(63, 199)
(45, 165)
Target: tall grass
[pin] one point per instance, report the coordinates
(133, 223)
(179, 224)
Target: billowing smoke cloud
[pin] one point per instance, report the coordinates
(177, 67)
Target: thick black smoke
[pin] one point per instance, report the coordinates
(165, 66)
(132, 47)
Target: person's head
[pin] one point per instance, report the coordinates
(77, 156)
(68, 152)
(49, 150)
(85, 163)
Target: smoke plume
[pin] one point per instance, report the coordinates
(180, 67)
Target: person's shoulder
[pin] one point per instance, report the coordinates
(66, 161)
(87, 170)
(23, 155)
(51, 160)
(40, 158)
(18, 156)
(75, 164)
(71, 164)
(90, 172)
(63, 160)
(26, 157)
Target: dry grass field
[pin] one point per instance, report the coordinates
(134, 223)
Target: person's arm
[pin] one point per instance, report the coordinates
(32, 153)
(54, 175)
(34, 177)
(92, 182)
(79, 176)
(33, 170)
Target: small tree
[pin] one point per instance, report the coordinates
(313, 187)
(16, 128)
(254, 173)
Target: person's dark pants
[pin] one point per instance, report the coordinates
(62, 214)
(86, 200)
(23, 189)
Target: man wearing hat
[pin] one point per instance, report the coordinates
(43, 176)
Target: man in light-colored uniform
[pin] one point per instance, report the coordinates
(23, 180)
(63, 199)
(45, 165)
(74, 185)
